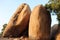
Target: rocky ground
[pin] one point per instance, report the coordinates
(13, 38)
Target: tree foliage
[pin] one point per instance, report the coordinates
(54, 6)
(3, 29)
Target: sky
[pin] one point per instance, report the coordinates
(8, 7)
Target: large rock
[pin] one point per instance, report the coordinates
(19, 22)
(57, 34)
(54, 31)
(40, 24)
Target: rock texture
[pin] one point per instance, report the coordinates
(39, 24)
(58, 33)
(18, 22)
(13, 39)
(57, 36)
(55, 32)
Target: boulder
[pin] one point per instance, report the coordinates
(57, 33)
(54, 31)
(25, 38)
(57, 37)
(18, 22)
(39, 24)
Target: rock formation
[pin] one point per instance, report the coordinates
(58, 33)
(57, 36)
(54, 30)
(39, 24)
(18, 22)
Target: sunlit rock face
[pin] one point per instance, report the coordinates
(57, 36)
(18, 22)
(39, 24)
(58, 33)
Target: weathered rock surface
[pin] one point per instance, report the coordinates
(40, 24)
(57, 36)
(54, 30)
(13, 39)
(18, 22)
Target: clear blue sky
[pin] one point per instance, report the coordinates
(8, 7)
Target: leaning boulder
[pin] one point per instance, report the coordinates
(40, 24)
(19, 22)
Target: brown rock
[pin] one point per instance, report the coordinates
(58, 33)
(19, 22)
(40, 24)
(54, 31)
(58, 36)
(24, 38)
(55, 34)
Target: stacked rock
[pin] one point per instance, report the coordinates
(39, 24)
